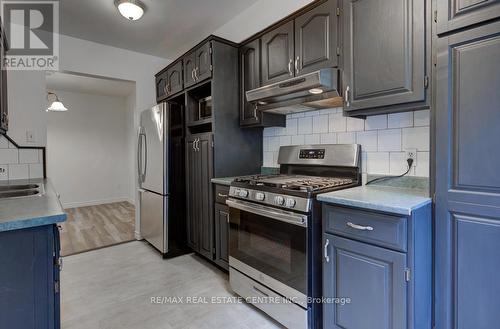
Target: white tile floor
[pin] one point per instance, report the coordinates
(112, 288)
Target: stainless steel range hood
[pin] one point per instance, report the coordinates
(307, 92)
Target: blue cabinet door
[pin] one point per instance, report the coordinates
(373, 278)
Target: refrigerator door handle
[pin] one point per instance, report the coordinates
(145, 157)
(139, 156)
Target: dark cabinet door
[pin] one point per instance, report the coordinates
(316, 39)
(161, 86)
(222, 235)
(372, 277)
(250, 79)
(175, 77)
(203, 68)
(384, 53)
(467, 206)
(192, 193)
(204, 185)
(4, 111)
(189, 67)
(278, 54)
(456, 14)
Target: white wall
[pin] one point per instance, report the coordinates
(88, 154)
(383, 138)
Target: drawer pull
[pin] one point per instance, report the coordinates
(359, 227)
(222, 195)
(260, 291)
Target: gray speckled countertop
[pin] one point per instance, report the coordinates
(394, 200)
(20, 213)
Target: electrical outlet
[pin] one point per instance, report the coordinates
(30, 136)
(412, 154)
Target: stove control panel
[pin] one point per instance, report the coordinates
(290, 203)
(271, 199)
(312, 154)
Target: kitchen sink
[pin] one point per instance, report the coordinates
(20, 191)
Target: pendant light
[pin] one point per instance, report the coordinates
(130, 9)
(56, 105)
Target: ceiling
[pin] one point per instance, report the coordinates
(167, 29)
(89, 85)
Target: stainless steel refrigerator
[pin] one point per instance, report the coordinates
(152, 163)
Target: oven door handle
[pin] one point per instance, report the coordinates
(281, 215)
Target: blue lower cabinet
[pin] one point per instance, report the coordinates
(377, 269)
(373, 279)
(29, 278)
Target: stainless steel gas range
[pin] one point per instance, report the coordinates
(275, 230)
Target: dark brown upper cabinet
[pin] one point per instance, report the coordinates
(161, 86)
(203, 68)
(457, 14)
(384, 50)
(175, 78)
(250, 79)
(316, 39)
(198, 65)
(278, 54)
(189, 67)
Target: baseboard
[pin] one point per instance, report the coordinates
(69, 205)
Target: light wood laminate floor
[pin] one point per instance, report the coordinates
(112, 288)
(94, 227)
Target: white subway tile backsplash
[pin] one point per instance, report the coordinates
(421, 118)
(312, 139)
(330, 138)
(291, 126)
(346, 138)
(423, 164)
(377, 163)
(16, 163)
(416, 138)
(305, 125)
(298, 140)
(337, 123)
(4, 143)
(320, 124)
(9, 156)
(389, 140)
(400, 120)
(28, 156)
(368, 140)
(355, 124)
(285, 140)
(383, 138)
(18, 171)
(274, 143)
(376, 122)
(35, 170)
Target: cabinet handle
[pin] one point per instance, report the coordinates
(359, 227)
(346, 96)
(196, 73)
(290, 67)
(222, 195)
(297, 65)
(255, 110)
(194, 143)
(197, 145)
(327, 258)
(192, 75)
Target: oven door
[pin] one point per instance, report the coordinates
(269, 245)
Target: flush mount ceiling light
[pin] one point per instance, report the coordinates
(56, 105)
(130, 9)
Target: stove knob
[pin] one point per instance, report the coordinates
(260, 196)
(243, 193)
(279, 200)
(290, 203)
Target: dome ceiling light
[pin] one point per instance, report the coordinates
(130, 9)
(56, 105)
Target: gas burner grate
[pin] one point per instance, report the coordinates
(315, 184)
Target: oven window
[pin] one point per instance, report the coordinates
(272, 247)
